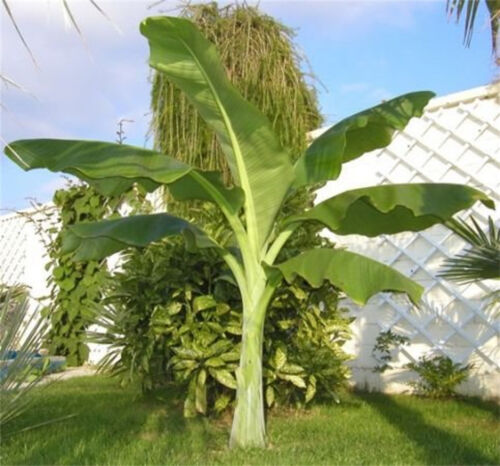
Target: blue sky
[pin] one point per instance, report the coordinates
(361, 52)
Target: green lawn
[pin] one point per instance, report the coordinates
(119, 427)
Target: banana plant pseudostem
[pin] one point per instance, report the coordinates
(263, 178)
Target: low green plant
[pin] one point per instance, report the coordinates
(385, 344)
(21, 334)
(439, 375)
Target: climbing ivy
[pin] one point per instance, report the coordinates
(75, 287)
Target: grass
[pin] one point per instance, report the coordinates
(116, 426)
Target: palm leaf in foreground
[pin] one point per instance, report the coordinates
(481, 261)
(23, 331)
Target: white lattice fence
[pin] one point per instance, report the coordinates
(22, 257)
(22, 252)
(14, 233)
(457, 140)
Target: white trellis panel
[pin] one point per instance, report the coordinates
(457, 140)
(22, 257)
(22, 253)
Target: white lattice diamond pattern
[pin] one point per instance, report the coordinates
(455, 141)
(13, 254)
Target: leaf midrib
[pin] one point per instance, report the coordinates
(242, 173)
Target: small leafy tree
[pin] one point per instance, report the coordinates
(263, 177)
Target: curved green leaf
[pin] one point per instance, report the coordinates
(358, 276)
(294, 379)
(112, 168)
(208, 186)
(224, 377)
(354, 136)
(388, 209)
(254, 154)
(96, 240)
(201, 392)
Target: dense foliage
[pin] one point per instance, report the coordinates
(262, 62)
(75, 287)
(174, 317)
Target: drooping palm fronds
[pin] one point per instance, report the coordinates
(65, 5)
(264, 65)
(481, 260)
(67, 11)
(469, 9)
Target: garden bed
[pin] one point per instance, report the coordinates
(118, 426)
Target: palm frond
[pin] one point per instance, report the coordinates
(19, 32)
(68, 13)
(469, 9)
(481, 261)
(23, 331)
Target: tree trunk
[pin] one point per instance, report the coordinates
(249, 429)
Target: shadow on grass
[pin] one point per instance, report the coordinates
(436, 445)
(488, 407)
(104, 423)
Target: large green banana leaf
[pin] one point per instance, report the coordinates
(257, 161)
(97, 240)
(208, 186)
(358, 276)
(394, 208)
(354, 136)
(113, 168)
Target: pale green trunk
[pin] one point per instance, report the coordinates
(249, 429)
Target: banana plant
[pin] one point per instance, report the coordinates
(263, 178)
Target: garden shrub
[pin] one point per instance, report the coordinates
(175, 317)
(439, 375)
